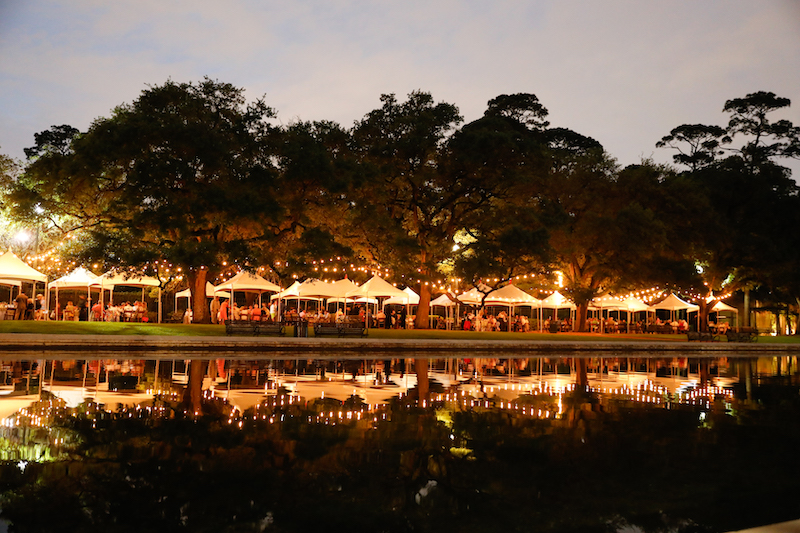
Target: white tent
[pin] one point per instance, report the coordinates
(672, 304)
(411, 298)
(210, 292)
(555, 302)
(11, 283)
(14, 271)
(721, 307)
(80, 278)
(342, 287)
(247, 282)
(375, 287)
(443, 301)
(308, 290)
(511, 296)
(14, 268)
(471, 297)
(111, 279)
(314, 288)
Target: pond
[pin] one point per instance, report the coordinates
(385, 443)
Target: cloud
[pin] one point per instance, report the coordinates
(622, 72)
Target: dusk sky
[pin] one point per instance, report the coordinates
(622, 72)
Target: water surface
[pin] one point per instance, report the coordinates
(209, 442)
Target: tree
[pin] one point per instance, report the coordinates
(704, 144)
(745, 197)
(406, 208)
(56, 140)
(179, 177)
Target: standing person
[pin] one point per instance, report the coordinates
(83, 310)
(223, 312)
(97, 312)
(22, 306)
(214, 308)
(41, 308)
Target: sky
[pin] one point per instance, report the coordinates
(622, 72)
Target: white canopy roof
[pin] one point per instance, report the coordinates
(298, 291)
(411, 298)
(247, 282)
(12, 282)
(342, 287)
(471, 297)
(112, 279)
(510, 295)
(443, 300)
(359, 300)
(717, 308)
(557, 301)
(210, 292)
(80, 278)
(631, 303)
(12, 267)
(673, 303)
(314, 288)
(376, 287)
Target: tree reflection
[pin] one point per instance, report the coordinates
(437, 458)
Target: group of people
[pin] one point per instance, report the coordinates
(27, 308)
(489, 322)
(123, 312)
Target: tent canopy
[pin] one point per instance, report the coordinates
(112, 279)
(443, 301)
(411, 298)
(510, 295)
(557, 301)
(471, 297)
(247, 282)
(673, 303)
(342, 287)
(376, 287)
(14, 268)
(80, 278)
(210, 292)
(633, 304)
(721, 306)
(314, 288)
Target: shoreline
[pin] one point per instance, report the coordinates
(11, 344)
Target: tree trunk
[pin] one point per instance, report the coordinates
(424, 307)
(703, 315)
(193, 394)
(197, 284)
(582, 311)
(423, 386)
(746, 310)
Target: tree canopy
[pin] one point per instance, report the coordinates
(190, 178)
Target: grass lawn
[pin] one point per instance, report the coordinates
(129, 328)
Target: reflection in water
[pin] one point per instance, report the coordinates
(388, 444)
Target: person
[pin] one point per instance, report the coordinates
(83, 309)
(223, 312)
(97, 312)
(255, 313)
(187, 316)
(22, 306)
(70, 311)
(467, 324)
(214, 308)
(41, 309)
